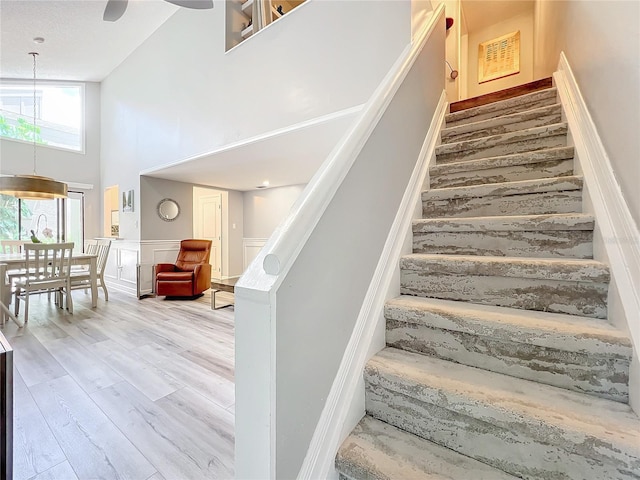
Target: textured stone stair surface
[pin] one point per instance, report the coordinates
(503, 144)
(577, 353)
(537, 117)
(505, 107)
(525, 197)
(557, 235)
(500, 360)
(377, 450)
(577, 287)
(549, 162)
(524, 428)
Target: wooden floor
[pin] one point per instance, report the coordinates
(134, 389)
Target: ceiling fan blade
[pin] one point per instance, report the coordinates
(114, 10)
(196, 4)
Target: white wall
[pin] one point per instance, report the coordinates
(419, 11)
(452, 50)
(179, 94)
(524, 23)
(600, 40)
(235, 233)
(16, 158)
(265, 209)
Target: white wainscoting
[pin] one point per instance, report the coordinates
(121, 271)
(250, 249)
(153, 252)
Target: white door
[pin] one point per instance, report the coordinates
(208, 225)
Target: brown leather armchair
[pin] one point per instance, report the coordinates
(191, 274)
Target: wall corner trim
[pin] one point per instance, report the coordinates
(327, 436)
(620, 232)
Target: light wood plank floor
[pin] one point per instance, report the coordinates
(134, 389)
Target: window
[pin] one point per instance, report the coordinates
(50, 221)
(59, 114)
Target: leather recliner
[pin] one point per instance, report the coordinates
(191, 274)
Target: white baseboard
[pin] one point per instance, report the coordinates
(620, 234)
(337, 415)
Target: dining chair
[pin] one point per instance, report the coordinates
(81, 278)
(11, 246)
(5, 298)
(48, 268)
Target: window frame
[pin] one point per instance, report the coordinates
(57, 83)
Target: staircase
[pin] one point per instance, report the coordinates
(500, 362)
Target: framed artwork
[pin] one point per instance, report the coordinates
(127, 201)
(499, 57)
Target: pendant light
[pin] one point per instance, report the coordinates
(33, 187)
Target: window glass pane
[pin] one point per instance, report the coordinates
(9, 217)
(42, 220)
(74, 218)
(58, 112)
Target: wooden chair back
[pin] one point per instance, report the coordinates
(11, 246)
(46, 262)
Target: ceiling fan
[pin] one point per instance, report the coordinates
(115, 8)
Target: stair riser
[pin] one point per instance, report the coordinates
(568, 201)
(550, 244)
(526, 120)
(600, 376)
(378, 450)
(493, 149)
(518, 449)
(571, 297)
(532, 171)
(495, 110)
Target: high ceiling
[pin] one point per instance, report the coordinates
(78, 45)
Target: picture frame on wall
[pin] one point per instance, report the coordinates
(499, 57)
(127, 201)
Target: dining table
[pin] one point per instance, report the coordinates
(16, 261)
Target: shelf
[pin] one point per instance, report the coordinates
(247, 32)
(247, 8)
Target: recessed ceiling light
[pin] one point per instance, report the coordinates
(265, 183)
(38, 40)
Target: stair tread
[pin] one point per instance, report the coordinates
(502, 120)
(536, 156)
(550, 330)
(556, 415)
(563, 269)
(533, 223)
(520, 187)
(533, 133)
(377, 450)
(501, 105)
